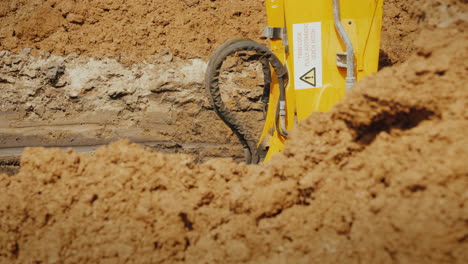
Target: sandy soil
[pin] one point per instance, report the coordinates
(135, 80)
(96, 71)
(160, 102)
(54, 97)
(129, 30)
(404, 20)
(132, 31)
(382, 178)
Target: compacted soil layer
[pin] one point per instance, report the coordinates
(382, 178)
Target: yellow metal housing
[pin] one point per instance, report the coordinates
(362, 21)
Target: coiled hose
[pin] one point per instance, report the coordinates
(267, 58)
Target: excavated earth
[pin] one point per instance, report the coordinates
(382, 178)
(81, 74)
(84, 73)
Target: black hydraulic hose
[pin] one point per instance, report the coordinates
(266, 81)
(212, 86)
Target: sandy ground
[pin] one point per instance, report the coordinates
(85, 76)
(128, 30)
(96, 71)
(68, 101)
(380, 179)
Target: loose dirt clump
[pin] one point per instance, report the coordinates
(403, 21)
(380, 179)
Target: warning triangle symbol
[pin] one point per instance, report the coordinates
(310, 77)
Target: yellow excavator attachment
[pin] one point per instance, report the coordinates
(305, 35)
(318, 50)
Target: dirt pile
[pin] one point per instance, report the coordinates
(380, 179)
(130, 30)
(403, 21)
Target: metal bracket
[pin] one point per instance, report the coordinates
(277, 33)
(273, 32)
(342, 59)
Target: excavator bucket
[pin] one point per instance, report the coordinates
(318, 51)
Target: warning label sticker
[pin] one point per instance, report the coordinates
(307, 41)
(310, 77)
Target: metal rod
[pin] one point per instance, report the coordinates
(350, 76)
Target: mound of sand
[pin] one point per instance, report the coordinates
(129, 29)
(382, 178)
(403, 21)
(133, 30)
